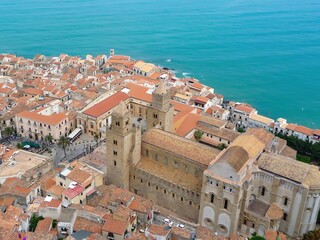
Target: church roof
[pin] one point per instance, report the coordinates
(291, 169)
(235, 156)
(178, 145)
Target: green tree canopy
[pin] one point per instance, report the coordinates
(197, 135)
(8, 131)
(48, 139)
(34, 222)
(63, 143)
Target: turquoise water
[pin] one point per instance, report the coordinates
(266, 53)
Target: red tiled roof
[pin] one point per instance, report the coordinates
(139, 92)
(52, 119)
(114, 225)
(244, 108)
(106, 104)
(300, 129)
(201, 99)
(54, 203)
(72, 192)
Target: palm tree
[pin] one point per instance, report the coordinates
(63, 143)
(8, 131)
(48, 139)
(96, 137)
(197, 135)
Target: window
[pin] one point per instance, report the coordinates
(117, 123)
(149, 184)
(175, 163)
(285, 202)
(165, 191)
(190, 203)
(263, 191)
(155, 115)
(115, 142)
(181, 198)
(115, 163)
(155, 156)
(141, 180)
(147, 153)
(157, 188)
(285, 216)
(212, 198)
(115, 153)
(222, 229)
(225, 205)
(208, 222)
(173, 195)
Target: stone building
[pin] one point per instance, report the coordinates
(251, 186)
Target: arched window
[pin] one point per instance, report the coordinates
(212, 198)
(285, 201)
(263, 191)
(225, 204)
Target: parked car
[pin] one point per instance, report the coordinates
(168, 221)
(181, 226)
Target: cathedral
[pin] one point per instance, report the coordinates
(251, 186)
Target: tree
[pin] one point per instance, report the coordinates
(222, 146)
(197, 135)
(312, 235)
(241, 130)
(34, 222)
(63, 143)
(255, 236)
(96, 137)
(48, 139)
(315, 151)
(8, 131)
(19, 145)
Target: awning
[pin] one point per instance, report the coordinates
(31, 144)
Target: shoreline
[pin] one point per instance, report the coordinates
(166, 67)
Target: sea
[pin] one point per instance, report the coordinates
(263, 52)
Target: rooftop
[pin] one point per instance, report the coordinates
(53, 119)
(73, 192)
(106, 104)
(180, 146)
(21, 162)
(114, 225)
(285, 167)
(67, 215)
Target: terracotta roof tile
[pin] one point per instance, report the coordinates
(114, 225)
(53, 119)
(106, 104)
(180, 146)
(84, 224)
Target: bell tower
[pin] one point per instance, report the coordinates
(122, 146)
(161, 111)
